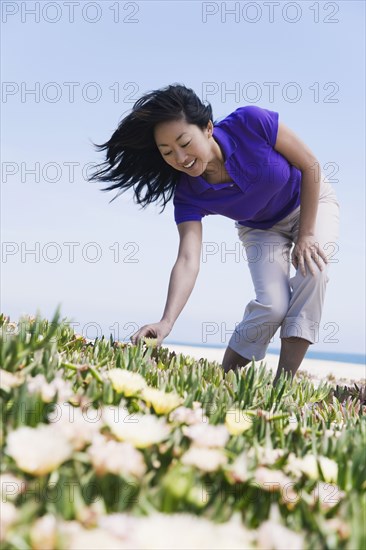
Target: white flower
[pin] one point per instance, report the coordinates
(237, 472)
(140, 430)
(94, 539)
(184, 415)
(159, 531)
(38, 450)
(119, 525)
(332, 433)
(9, 380)
(292, 425)
(207, 460)
(76, 425)
(11, 487)
(48, 390)
(8, 516)
(265, 455)
(126, 382)
(39, 384)
(339, 526)
(187, 532)
(207, 435)
(43, 533)
(308, 466)
(276, 480)
(274, 536)
(63, 387)
(328, 494)
(117, 458)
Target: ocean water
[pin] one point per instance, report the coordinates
(355, 358)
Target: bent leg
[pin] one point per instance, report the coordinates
(267, 254)
(301, 324)
(293, 351)
(232, 360)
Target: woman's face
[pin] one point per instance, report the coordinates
(181, 143)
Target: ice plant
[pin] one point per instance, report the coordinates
(8, 516)
(237, 472)
(162, 403)
(39, 450)
(207, 460)
(140, 430)
(207, 435)
(170, 434)
(76, 425)
(108, 456)
(8, 380)
(11, 487)
(308, 465)
(43, 533)
(126, 382)
(184, 415)
(237, 421)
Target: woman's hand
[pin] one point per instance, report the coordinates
(156, 330)
(308, 250)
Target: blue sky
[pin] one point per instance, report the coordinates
(87, 75)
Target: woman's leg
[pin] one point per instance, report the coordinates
(233, 360)
(301, 324)
(268, 260)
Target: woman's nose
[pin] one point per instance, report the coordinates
(180, 159)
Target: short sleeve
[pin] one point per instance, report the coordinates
(261, 121)
(186, 212)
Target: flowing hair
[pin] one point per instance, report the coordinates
(132, 156)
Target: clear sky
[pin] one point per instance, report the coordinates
(72, 70)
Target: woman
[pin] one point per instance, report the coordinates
(253, 169)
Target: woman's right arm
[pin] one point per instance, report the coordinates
(181, 284)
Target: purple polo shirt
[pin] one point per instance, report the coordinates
(267, 186)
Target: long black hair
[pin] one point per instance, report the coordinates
(133, 158)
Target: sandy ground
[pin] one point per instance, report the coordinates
(343, 373)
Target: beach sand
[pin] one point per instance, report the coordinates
(318, 369)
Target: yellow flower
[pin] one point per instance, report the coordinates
(237, 422)
(126, 382)
(329, 469)
(150, 342)
(163, 403)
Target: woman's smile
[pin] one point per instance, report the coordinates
(190, 164)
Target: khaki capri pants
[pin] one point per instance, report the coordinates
(294, 303)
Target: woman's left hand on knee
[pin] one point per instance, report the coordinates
(307, 251)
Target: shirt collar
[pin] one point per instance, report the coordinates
(228, 146)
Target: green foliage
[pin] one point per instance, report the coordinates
(295, 419)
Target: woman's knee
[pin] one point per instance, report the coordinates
(319, 278)
(269, 311)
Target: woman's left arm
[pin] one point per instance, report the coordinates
(297, 153)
